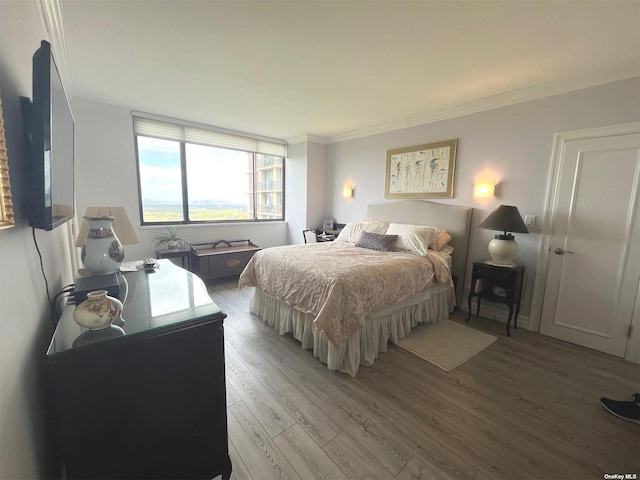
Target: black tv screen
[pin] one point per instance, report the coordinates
(50, 133)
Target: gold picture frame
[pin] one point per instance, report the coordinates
(7, 219)
(421, 171)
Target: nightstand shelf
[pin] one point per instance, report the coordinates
(498, 285)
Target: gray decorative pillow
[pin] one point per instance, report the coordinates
(377, 241)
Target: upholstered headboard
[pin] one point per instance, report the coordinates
(419, 212)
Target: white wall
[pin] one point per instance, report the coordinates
(511, 144)
(316, 180)
(26, 441)
(304, 189)
(295, 191)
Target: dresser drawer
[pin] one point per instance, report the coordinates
(502, 273)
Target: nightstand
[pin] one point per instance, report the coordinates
(181, 253)
(499, 285)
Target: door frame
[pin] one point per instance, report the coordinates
(550, 207)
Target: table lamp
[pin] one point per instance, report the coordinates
(503, 248)
(103, 232)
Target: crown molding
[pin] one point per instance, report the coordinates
(307, 137)
(52, 19)
(536, 92)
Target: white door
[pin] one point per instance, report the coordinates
(593, 250)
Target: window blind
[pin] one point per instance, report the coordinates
(205, 135)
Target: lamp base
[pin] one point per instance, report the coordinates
(503, 249)
(102, 252)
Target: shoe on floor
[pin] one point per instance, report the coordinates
(629, 411)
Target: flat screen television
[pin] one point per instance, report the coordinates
(49, 127)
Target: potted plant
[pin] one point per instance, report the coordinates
(171, 238)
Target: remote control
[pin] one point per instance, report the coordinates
(149, 263)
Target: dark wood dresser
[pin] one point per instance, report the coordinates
(147, 400)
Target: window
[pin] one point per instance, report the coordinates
(195, 174)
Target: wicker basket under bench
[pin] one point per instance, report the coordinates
(222, 258)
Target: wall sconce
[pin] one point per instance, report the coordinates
(347, 191)
(484, 189)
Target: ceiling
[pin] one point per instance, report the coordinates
(333, 70)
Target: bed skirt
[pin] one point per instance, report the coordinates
(363, 346)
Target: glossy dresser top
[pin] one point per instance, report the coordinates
(167, 297)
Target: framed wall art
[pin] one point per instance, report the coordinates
(7, 219)
(421, 171)
(328, 223)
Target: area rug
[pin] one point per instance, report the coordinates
(446, 344)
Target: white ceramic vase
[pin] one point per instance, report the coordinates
(102, 252)
(503, 249)
(97, 311)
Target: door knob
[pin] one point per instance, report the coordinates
(561, 251)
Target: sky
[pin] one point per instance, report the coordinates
(213, 174)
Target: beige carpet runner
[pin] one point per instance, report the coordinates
(446, 344)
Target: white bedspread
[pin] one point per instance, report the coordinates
(340, 284)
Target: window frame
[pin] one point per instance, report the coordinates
(183, 172)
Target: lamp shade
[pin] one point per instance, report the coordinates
(505, 218)
(503, 248)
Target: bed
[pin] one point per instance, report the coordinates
(346, 302)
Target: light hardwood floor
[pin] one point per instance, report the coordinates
(526, 407)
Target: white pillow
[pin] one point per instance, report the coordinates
(351, 231)
(413, 238)
(375, 226)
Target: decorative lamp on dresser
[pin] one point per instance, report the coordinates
(145, 397)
